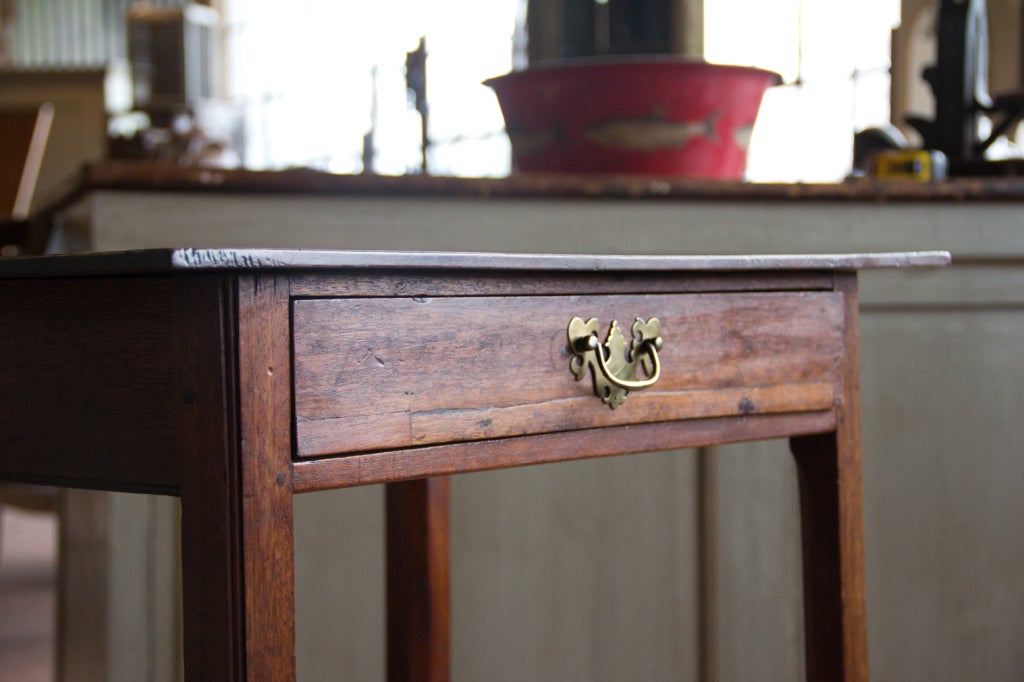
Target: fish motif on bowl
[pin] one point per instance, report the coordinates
(653, 115)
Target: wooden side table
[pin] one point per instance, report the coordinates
(236, 379)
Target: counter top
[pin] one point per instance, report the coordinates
(149, 176)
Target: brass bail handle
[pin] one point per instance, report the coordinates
(591, 343)
(614, 374)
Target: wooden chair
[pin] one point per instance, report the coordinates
(23, 136)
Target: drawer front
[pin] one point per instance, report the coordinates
(384, 373)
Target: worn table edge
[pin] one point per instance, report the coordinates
(157, 261)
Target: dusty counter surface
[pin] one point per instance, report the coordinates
(940, 374)
(142, 205)
(153, 176)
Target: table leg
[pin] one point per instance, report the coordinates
(211, 537)
(236, 495)
(265, 463)
(833, 562)
(418, 586)
(832, 529)
(237, 577)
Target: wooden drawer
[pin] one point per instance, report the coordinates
(386, 373)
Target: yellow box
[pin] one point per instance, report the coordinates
(922, 165)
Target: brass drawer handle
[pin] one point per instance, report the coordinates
(614, 373)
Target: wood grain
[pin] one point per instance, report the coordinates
(88, 383)
(453, 262)
(162, 261)
(211, 528)
(390, 373)
(264, 385)
(432, 284)
(407, 464)
(831, 516)
(418, 581)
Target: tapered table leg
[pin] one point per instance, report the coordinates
(236, 489)
(418, 587)
(833, 563)
(211, 532)
(264, 388)
(832, 528)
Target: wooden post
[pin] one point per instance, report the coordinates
(832, 528)
(236, 489)
(264, 379)
(213, 607)
(418, 581)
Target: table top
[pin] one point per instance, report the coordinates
(158, 261)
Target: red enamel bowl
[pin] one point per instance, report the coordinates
(651, 116)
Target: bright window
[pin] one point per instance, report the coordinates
(834, 58)
(307, 72)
